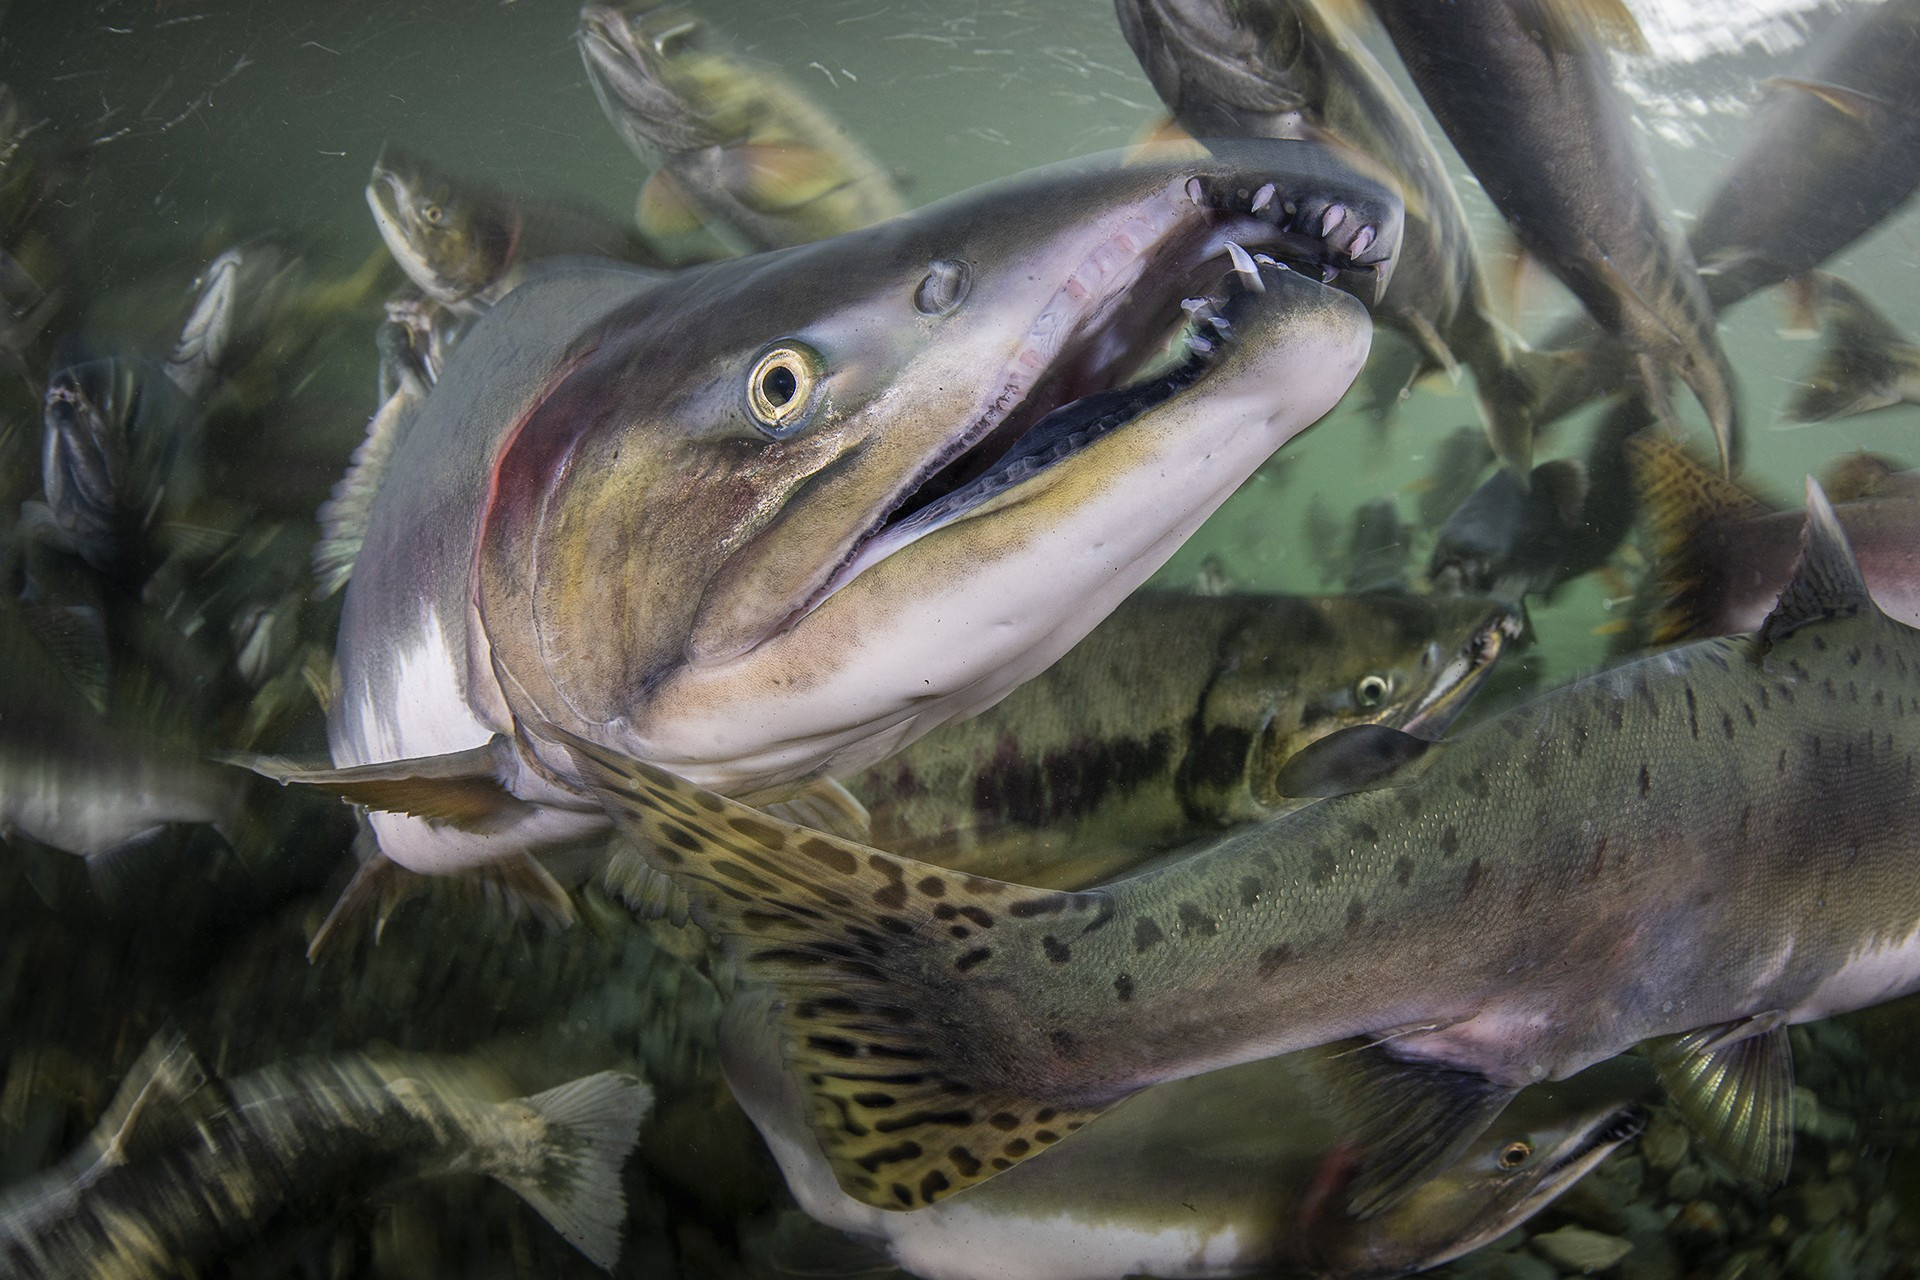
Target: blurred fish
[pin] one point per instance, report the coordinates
(1236, 1172)
(1170, 723)
(1507, 542)
(74, 778)
(1829, 156)
(1697, 849)
(751, 518)
(732, 143)
(465, 243)
(1378, 548)
(1523, 89)
(1722, 555)
(184, 1168)
(1865, 364)
(119, 454)
(1458, 462)
(1869, 475)
(1292, 69)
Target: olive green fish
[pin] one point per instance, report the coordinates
(1697, 849)
(1295, 69)
(1236, 1172)
(732, 143)
(184, 1167)
(1171, 722)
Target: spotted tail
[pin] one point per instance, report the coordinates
(909, 1060)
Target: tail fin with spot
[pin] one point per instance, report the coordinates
(876, 958)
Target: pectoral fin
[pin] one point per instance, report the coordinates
(1414, 1120)
(664, 209)
(1733, 1083)
(462, 789)
(773, 177)
(1357, 758)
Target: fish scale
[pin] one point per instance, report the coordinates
(1719, 836)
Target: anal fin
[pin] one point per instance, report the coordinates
(823, 804)
(1733, 1083)
(1414, 1120)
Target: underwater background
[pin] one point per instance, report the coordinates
(180, 127)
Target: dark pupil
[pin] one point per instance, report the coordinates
(779, 385)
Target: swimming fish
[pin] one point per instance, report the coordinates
(1695, 850)
(183, 1166)
(770, 519)
(466, 243)
(1293, 69)
(732, 143)
(1865, 362)
(1722, 555)
(1170, 723)
(1830, 154)
(1236, 1172)
(1523, 89)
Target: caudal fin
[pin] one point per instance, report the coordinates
(1865, 364)
(886, 966)
(570, 1173)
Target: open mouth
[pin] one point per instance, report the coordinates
(1465, 670)
(1149, 317)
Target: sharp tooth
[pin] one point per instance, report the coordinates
(1197, 343)
(1196, 191)
(1362, 242)
(1268, 260)
(1333, 217)
(1263, 197)
(1327, 272)
(1193, 306)
(1243, 263)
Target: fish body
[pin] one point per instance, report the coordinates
(465, 243)
(768, 519)
(1170, 723)
(1531, 107)
(1723, 555)
(1695, 849)
(1295, 70)
(1233, 1173)
(183, 1168)
(731, 142)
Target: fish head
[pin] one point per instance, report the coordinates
(1548, 1138)
(1404, 661)
(453, 239)
(786, 513)
(1221, 67)
(661, 79)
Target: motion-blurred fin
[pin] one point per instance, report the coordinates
(570, 1172)
(462, 789)
(1413, 1119)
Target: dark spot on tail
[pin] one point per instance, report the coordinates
(979, 955)
(1146, 934)
(1004, 1121)
(1123, 988)
(754, 829)
(933, 1184)
(893, 896)
(965, 1161)
(1051, 904)
(1057, 951)
(1194, 920)
(933, 887)
(830, 855)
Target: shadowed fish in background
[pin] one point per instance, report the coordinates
(1292, 69)
(1523, 89)
(183, 1169)
(1171, 723)
(1830, 154)
(1864, 365)
(1653, 853)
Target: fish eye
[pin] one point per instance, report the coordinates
(783, 387)
(1515, 1154)
(1372, 690)
(432, 214)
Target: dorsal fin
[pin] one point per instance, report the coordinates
(1826, 583)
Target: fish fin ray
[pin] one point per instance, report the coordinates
(857, 942)
(343, 516)
(643, 888)
(665, 209)
(1359, 757)
(1414, 1119)
(1826, 582)
(823, 804)
(512, 887)
(572, 1176)
(165, 1080)
(462, 789)
(1684, 504)
(1733, 1083)
(1864, 361)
